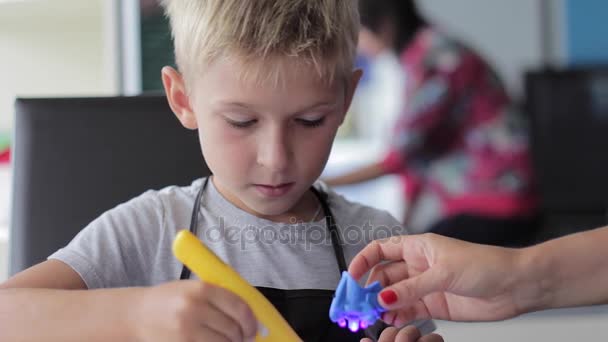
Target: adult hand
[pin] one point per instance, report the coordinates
(431, 276)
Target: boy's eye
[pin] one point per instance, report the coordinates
(249, 123)
(241, 124)
(311, 123)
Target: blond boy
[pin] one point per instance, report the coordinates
(266, 84)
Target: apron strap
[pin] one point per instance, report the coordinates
(336, 240)
(194, 224)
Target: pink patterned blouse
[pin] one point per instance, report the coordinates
(458, 140)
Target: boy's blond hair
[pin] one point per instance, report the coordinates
(318, 33)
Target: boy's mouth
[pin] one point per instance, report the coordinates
(274, 190)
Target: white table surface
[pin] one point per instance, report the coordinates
(563, 325)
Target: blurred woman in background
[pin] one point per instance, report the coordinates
(458, 146)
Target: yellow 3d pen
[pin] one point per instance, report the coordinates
(211, 269)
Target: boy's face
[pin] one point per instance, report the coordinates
(265, 143)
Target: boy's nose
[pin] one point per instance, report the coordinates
(273, 152)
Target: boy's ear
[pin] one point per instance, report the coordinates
(175, 89)
(350, 90)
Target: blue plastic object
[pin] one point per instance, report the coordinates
(354, 306)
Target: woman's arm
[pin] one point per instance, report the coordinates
(573, 270)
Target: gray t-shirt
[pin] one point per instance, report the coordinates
(130, 245)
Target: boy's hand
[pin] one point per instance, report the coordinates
(192, 310)
(407, 334)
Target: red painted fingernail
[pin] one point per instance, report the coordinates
(388, 296)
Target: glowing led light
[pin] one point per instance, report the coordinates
(355, 307)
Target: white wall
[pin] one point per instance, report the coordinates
(508, 33)
(52, 48)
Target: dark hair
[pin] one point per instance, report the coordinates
(403, 14)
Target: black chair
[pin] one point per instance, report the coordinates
(75, 158)
(569, 119)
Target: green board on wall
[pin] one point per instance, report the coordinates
(156, 50)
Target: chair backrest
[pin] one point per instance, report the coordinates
(569, 117)
(569, 111)
(75, 158)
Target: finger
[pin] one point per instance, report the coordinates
(207, 334)
(389, 317)
(366, 340)
(408, 334)
(214, 319)
(431, 338)
(409, 291)
(406, 315)
(388, 334)
(388, 274)
(235, 308)
(375, 252)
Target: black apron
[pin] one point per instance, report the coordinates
(306, 311)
